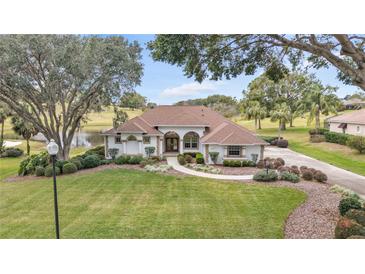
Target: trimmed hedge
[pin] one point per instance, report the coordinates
(48, 172)
(291, 177)
(239, 163)
(135, 160)
(91, 161)
(12, 152)
(199, 158)
(122, 160)
(39, 171)
(69, 168)
(347, 204)
(337, 138)
(263, 176)
(188, 158)
(181, 160)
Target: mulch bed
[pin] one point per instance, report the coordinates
(237, 170)
(317, 217)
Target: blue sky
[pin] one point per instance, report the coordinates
(166, 84)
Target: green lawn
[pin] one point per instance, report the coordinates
(133, 204)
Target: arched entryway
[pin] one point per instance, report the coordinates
(171, 142)
(132, 145)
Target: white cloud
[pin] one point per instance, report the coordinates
(190, 89)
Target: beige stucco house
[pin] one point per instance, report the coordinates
(350, 123)
(177, 129)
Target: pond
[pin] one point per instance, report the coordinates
(80, 139)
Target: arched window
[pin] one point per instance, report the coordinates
(191, 140)
(131, 138)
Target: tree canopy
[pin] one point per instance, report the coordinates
(225, 56)
(133, 100)
(53, 81)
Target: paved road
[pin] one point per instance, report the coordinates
(172, 161)
(335, 175)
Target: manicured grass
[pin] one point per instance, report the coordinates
(133, 204)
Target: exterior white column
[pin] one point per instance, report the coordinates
(140, 147)
(124, 147)
(161, 146)
(181, 148)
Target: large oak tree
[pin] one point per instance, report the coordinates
(218, 56)
(53, 81)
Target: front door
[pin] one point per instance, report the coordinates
(172, 145)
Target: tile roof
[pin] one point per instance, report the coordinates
(219, 129)
(354, 117)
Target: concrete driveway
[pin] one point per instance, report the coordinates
(335, 175)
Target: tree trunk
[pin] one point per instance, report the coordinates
(63, 153)
(2, 131)
(291, 122)
(28, 147)
(318, 120)
(279, 130)
(282, 126)
(255, 123)
(259, 123)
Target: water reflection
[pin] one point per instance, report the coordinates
(80, 139)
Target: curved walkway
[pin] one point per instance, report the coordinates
(172, 161)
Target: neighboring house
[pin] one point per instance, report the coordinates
(178, 129)
(354, 103)
(350, 123)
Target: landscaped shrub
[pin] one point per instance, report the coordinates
(291, 177)
(12, 152)
(188, 158)
(319, 176)
(347, 227)
(69, 168)
(149, 151)
(99, 150)
(357, 142)
(91, 161)
(135, 160)
(248, 163)
(146, 162)
(232, 163)
(60, 164)
(264, 176)
(181, 160)
(260, 164)
(106, 162)
(113, 152)
(48, 172)
(281, 160)
(77, 163)
(122, 160)
(192, 154)
(157, 168)
(307, 175)
(214, 156)
(39, 171)
(282, 169)
(319, 131)
(337, 138)
(303, 168)
(27, 166)
(347, 204)
(204, 168)
(199, 158)
(295, 170)
(345, 192)
(356, 215)
(268, 139)
(276, 164)
(283, 143)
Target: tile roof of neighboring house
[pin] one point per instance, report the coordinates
(354, 101)
(219, 129)
(354, 117)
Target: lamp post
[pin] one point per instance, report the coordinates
(52, 149)
(266, 163)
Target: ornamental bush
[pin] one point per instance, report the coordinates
(91, 161)
(291, 177)
(39, 171)
(48, 172)
(307, 175)
(347, 227)
(347, 204)
(181, 160)
(113, 152)
(99, 150)
(122, 160)
(69, 168)
(337, 138)
(199, 158)
(357, 142)
(232, 163)
(12, 152)
(135, 160)
(188, 158)
(263, 176)
(77, 163)
(317, 138)
(295, 170)
(60, 164)
(319, 176)
(356, 215)
(214, 156)
(282, 143)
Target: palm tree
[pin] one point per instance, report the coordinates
(23, 129)
(282, 114)
(320, 101)
(253, 110)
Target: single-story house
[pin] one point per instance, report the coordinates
(350, 123)
(177, 129)
(354, 103)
